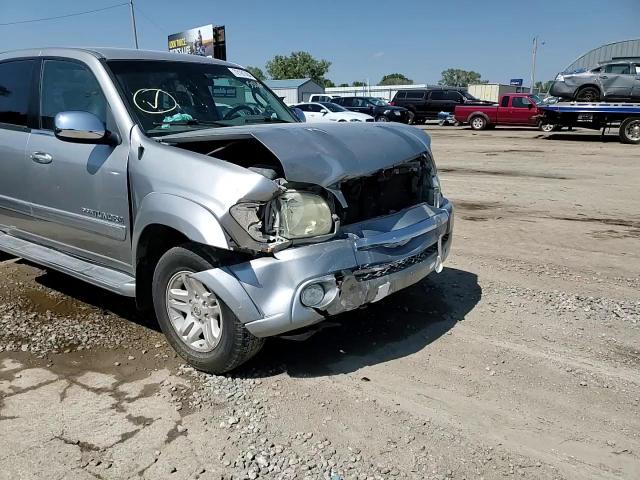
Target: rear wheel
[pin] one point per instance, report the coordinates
(630, 131)
(588, 94)
(197, 324)
(478, 123)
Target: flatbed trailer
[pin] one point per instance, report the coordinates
(597, 116)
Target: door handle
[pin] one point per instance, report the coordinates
(604, 76)
(41, 157)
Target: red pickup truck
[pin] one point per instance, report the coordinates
(513, 109)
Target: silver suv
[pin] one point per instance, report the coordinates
(619, 80)
(186, 183)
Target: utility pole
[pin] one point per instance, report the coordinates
(533, 63)
(133, 24)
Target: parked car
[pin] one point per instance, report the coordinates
(118, 168)
(331, 112)
(427, 103)
(513, 109)
(380, 110)
(322, 97)
(618, 80)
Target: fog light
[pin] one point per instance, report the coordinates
(312, 295)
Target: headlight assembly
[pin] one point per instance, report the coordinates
(292, 215)
(302, 215)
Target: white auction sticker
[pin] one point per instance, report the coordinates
(241, 73)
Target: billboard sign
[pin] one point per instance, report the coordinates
(206, 41)
(515, 82)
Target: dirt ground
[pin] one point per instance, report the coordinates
(520, 360)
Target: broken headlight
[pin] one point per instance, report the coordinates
(302, 215)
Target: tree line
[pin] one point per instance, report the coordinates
(305, 65)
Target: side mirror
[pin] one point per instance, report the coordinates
(324, 112)
(299, 114)
(530, 106)
(82, 127)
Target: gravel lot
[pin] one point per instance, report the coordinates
(520, 360)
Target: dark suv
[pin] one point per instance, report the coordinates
(376, 107)
(426, 103)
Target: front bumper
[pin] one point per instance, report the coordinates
(374, 259)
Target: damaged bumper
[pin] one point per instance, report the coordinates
(374, 259)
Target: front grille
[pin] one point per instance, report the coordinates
(369, 120)
(377, 271)
(385, 192)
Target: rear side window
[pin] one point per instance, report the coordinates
(415, 95)
(15, 90)
(438, 95)
(401, 95)
(68, 86)
(505, 101)
(619, 68)
(520, 102)
(453, 96)
(312, 107)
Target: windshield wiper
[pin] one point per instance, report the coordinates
(192, 122)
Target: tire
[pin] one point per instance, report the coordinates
(233, 345)
(478, 122)
(588, 94)
(381, 118)
(630, 130)
(547, 127)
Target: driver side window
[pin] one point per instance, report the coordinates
(69, 86)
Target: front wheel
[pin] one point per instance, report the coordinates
(630, 131)
(381, 118)
(478, 123)
(197, 324)
(547, 127)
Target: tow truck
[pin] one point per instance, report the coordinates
(596, 116)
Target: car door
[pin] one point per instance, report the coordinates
(415, 101)
(635, 71)
(521, 111)
(314, 112)
(78, 192)
(437, 103)
(362, 105)
(17, 99)
(616, 80)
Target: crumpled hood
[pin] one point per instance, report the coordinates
(324, 154)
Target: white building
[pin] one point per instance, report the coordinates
(294, 90)
(381, 91)
(491, 92)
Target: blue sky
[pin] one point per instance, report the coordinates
(362, 39)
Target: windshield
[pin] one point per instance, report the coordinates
(171, 97)
(333, 107)
(378, 102)
(536, 99)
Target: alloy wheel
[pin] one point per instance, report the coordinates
(194, 312)
(632, 131)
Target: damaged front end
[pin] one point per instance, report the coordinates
(339, 232)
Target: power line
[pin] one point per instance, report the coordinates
(149, 19)
(64, 16)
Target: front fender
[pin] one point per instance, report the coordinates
(189, 218)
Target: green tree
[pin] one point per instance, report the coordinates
(328, 83)
(456, 77)
(298, 65)
(343, 85)
(395, 79)
(257, 72)
(358, 83)
(542, 87)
